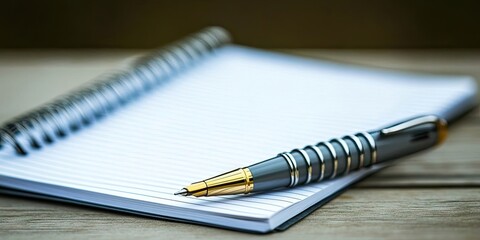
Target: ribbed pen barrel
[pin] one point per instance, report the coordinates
(314, 163)
(339, 156)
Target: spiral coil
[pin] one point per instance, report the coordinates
(83, 107)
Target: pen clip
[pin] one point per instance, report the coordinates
(440, 123)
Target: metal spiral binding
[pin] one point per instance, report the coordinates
(294, 163)
(82, 107)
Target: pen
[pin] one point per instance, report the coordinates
(326, 160)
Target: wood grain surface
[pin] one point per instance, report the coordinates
(433, 195)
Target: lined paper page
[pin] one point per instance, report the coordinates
(235, 108)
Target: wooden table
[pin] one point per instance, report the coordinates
(433, 195)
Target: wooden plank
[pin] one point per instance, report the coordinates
(358, 213)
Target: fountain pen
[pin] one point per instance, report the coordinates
(326, 160)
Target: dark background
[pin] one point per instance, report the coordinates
(268, 24)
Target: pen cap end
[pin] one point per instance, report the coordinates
(442, 129)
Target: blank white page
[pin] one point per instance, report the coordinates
(237, 107)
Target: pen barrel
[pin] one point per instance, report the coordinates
(337, 157)
(406, 143)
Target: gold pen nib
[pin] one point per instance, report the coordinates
(234, 182)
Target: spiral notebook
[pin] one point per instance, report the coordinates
(200, 107)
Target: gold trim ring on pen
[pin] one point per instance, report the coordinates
(248, 180)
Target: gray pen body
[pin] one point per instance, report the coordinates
(275, 172)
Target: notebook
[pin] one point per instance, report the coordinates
(200, 107)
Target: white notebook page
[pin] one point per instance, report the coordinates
(235, 108)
